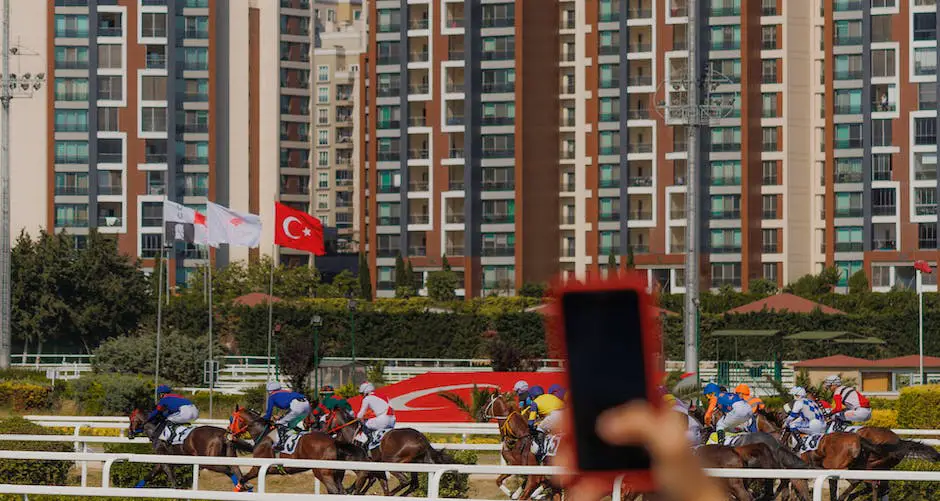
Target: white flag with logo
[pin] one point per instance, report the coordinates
(183, 223)
(227, 226)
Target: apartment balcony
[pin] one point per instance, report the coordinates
(456, 22)
(499, 185)
(613, 182)
(418, 154)
(388, 91)
(679, 8)
(726, 45)
(196, 97)
(204, 129)
(770, 248)
(851, 143)
(454, 250)
(848, 177)
(769, 214)
(155, 62)
(636, 47)
(497, 120)
(498, 22)
(498, 55)
(418, 24)
(568, 55)
(845, 109)
(388, 220)
(388, 60)
(849, 40)
(420, 56)
(726, 181)
(641, 181)
(849, 246)
(570, 186)
(388, 252)
(71, 65)
(639, 147)
(455, 218)
(677, 213)
(455, 184)
(389, 27)
(639, 80)
(726, 214)
(638, 114)
(639, 13)
(568, 250)
(418, 185)
(885, 245)
(609, 117)
(417, 250)
(849, 212)
(639, 248)
(499, 153)
(725, 147)
(611, 83)
(498, 218)
(110, 189)
(606, 250)
(849, 75)
(846, 5)
(604, 150)
(609, 216)
(724, 11)
(506, 87)
(455, 153)
(884, 210)
(195, 33)
(725, 249)
(499, 251)
(388, 124)
(421, 88)
(389, 156)
(387, 188)
(386, 285)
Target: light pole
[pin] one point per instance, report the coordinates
(12, 85)
(316, 322)
(691, 101)
(351, 304)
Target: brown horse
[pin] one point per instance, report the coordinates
(399, 445)
(311, 445)
(202, 441)
(517, 444)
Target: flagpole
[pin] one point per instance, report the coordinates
(920, 308)
(271, 312)
(211, 362)
(156, 372)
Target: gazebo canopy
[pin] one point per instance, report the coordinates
(841, 337)
(745, 333)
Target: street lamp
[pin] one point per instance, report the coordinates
(316, 322)
(351, 304)
(11, 85)
(692, 100)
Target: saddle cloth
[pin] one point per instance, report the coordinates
(731, 439)
(181, 432)
(549, 447)
(374, 438)
(290, 443)
(810, 443)
(847, 429)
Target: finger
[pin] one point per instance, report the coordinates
(589, 490)
(663, 433)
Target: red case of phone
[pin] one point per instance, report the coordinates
(638, 480)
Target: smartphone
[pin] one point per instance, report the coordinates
(607, 332)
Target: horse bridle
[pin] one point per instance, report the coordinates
(237, 417)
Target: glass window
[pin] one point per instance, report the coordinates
(196, 58)
(71, 25)
(881, 132)
(847, 269)
(323, 73)
(726, 37)
(71, 120)
(110, 87)
(925, 61)
(71, 152)
(71, 89)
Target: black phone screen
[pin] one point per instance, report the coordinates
(606, 369)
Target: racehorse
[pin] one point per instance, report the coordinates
(202, 441)
(310, 445)
(517, 445)
(399, 445)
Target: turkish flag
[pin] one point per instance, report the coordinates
(922, 266)
(297, 230)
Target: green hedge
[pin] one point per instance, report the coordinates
(125, 474)
(915, 490)
(24, 396)
(919, 407)
(110, 394)
(33, 471)
(453, 485)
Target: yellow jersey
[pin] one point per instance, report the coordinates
(547, 403)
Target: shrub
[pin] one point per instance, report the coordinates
(452, 485)
(181, 357)
(24, 396)
(255, 397)
(883, 418)
(919, 407)
(32, 472)
(915, 490)
(109, 394)
(32, 376)
(883, 403)
(124, 474)
(348, 390)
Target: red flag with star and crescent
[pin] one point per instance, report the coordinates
(298, 230)
(922, 266)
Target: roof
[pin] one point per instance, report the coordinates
(255, 298)
(909, 361)
(785, 302)
(546, 309)
(834, 361)
(745, 333)
(816, 335)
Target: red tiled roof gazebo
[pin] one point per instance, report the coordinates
(785, 302)
(254, 299)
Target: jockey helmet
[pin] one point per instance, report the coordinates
(669, 399)
(164, 389)
(833, 380)
(272, 386)
(520, 387)
(555, 388)
(326, 389)
(743, 390)
(366, 388)
(711, 389)
(798, 392)
(536, 391)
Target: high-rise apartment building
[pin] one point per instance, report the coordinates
(461, 125)
(875, 143)
(336, 145)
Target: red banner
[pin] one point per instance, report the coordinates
(416, 400)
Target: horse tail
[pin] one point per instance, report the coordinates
(917, 450)
(870, 449)
(790, 460)
(438, 456)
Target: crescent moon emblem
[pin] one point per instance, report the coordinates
(286, 227)
(401, 402)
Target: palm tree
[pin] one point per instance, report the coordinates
(479, 400)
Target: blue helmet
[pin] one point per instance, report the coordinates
(555, 389)
(711, 389)
(536, 391)
(162, 389)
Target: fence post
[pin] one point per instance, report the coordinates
(819, 484)
(316, 486)
(434, 483)
(106, 472)
(618, 487)
(262, 477)
(195, 477)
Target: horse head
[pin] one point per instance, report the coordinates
(246, 421)
(137, 420)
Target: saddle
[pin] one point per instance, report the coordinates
(370, 439)
(545, 445)
(175, 434)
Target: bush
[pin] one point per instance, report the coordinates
(883, 403)
(110, 394)
(125, 474)
(452, 485)
(255, 397)
(181, 357)
(883, 418)
(915, 490)
(32, 472)
(32, 376)
(919, 407)
(24, 396)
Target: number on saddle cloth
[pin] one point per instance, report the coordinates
(176, 433)
(290, 443)
(810, 443)
(731, 439)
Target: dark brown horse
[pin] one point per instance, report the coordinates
(311, 445)
(202, 441)
(399, 445)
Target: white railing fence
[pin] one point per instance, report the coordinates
(435, 472)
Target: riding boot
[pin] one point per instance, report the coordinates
(158, 431)
(721, 437)
(172, 429)
(281, 438)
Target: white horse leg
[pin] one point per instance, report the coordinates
(515, 495)
(537, 493)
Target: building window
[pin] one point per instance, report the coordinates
(769, 105)
(925, 26)
(71, 120)
(323, 116)
(848, 135)
(925, 201)
(725, 241)
(153, 87)
(769, 71)
(849, 239)
(880, 276)
(726, 274)
(847, 269)
(881, 132)
(156, 182)
(323, 137)
(72, 215)
(881, 167)
(323, 73)
(730, 68)
(108, 119)
(323, 180)
(71, 183)
(881, 28)
(323, 158)
(71, 89)
(769, 271)
(197, 89)
(110, 151)
(769, 135)
(153, 25)
(196, 58)
(196, 27)
(927, 236)
(882, 63)
(848, 32)
(110, 88)
(769, 206)
(925, 61)
(925, 130)
(150, 245)
(849, 66)
(323, 201)
(769, 241)
(769, 172)
(71, 26)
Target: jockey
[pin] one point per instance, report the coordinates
(175, 409)
(294, 403)
(557, 390)
(521, 388)
(847, 403)
(376, 412)
(694, 432)
(744, 391)
(533, 412)
(333, 400)
(736, 412)
(547, 409)
(805, 416)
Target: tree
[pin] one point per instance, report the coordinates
(442, 285)
(815, 285)
(533, 289)
(629, 257)
(858, 283)
(404, 279)
(401, 277)
(410, 273)
(479, 401)
(296, 357)
(445, 264)
(365, 280)
(611, 262)
(762, 286)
